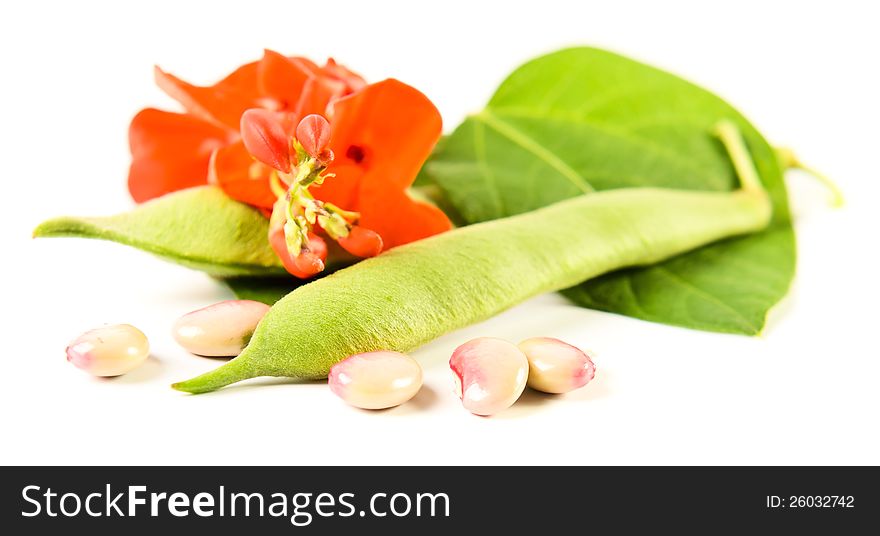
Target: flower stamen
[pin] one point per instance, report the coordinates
(297, 163)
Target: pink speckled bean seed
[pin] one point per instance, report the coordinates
(556, 367)
(219, 330)
(109, 350)
(490, 374)
(376, 380)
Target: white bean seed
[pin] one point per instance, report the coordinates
(376, 380)
(490, 374)
(219, 330)
(109, 350)
(556, 367)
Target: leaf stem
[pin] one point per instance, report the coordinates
(733, 141)
(790, 160)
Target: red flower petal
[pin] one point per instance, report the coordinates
(222, 103)
(318, 246)
(241, 177)
(381, 137)
(317, 94)
(343, 189)
(305, 265)
(388, 129)
(362, 242)
(398, 218)
(313, 132)
(170, 152)
(265, 138)
(282, 79)
(353, 81)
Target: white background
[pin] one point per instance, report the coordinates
(74, 73)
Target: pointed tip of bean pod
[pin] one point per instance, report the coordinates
(62, 226)
(193, 386)
(180, 386)
(47, 228)
(232, 372)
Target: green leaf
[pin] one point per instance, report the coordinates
(200, 228)
(583, 119)
(727, 287)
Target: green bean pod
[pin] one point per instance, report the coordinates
(417, 292)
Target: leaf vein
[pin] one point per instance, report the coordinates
(482, 160)
(530, 144)
(631, 137)
(708, 297)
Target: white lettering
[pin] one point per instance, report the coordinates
(281, 503)
(178, 504)
(156, 500)
(24, 495)
(75, 498)
(112, 504)
(202, 501)
(134, 500)
(247, 503)
(373, 503)
(89, 505)
(297, 504)
(48, 495)
(394, 498)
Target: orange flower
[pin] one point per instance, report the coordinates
(171, 151)
(381, 135)
(380, 138)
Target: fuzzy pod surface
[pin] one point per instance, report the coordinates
(417, 292)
